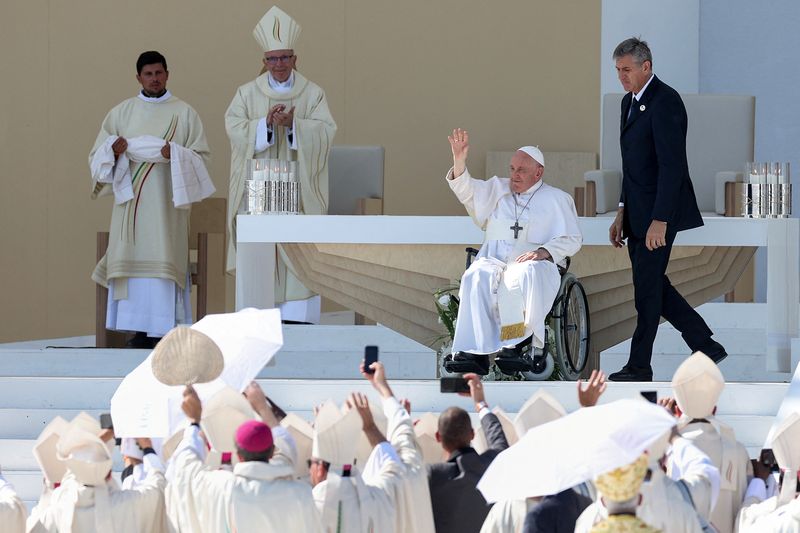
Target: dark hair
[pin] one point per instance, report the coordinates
(455, 428)
(634, 47)
(264, 456)
(150, 58)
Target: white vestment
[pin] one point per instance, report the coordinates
(309, 144)
(413, 497)
(256, 496)
(361, 502)
(759, 516)
(12, 510)
(663, 507)
(146, 264)
(77, 508)
(503, 302)
(507, 516)
(733, 463)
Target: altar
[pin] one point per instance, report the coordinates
(387, 268)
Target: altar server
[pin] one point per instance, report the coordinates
(281, 115)
(12, 510)
(146, 266)
(531, 228)
(697, 385)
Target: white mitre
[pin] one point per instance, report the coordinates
(303, 435)
(45, 450)
(540, 408)
(336, 435)
(786, 447)
(425, 430)
(364, 448)
(534, 152)
(223, 413)
(697, 385)
(85, 455)
(481, 443)
(276, 31)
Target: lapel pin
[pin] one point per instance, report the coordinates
(642, 107)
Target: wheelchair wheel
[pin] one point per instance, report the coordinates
(530, 375)
(571, 325)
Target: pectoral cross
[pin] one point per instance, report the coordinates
(516, 227)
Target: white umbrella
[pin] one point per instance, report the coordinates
(578, 447)
(144, 407)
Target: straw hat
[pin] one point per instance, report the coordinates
(186, 356)
(623, 483)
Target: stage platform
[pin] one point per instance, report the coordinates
(320, 362)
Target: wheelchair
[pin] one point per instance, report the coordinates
(566, 335)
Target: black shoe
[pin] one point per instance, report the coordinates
(630, 373)
(140, 341)
(715, 351)
(462, 362)
(511, 360)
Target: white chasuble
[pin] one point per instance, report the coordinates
(768, 516)
(149, 236)
(503, 302)
(12, 510)
(312, 136)
(508, 516)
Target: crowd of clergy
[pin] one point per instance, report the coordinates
(241, 463)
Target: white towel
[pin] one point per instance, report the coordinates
(190, 180)
(106, 169)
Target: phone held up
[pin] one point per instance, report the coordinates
(370, 356)
(650, 395)
(453, 384)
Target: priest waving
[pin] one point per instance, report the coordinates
(531, 228)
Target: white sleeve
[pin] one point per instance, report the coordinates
(264, 137)
(690, 464)
(381, 454)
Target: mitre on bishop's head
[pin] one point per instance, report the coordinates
(276, 31)
(697, 384)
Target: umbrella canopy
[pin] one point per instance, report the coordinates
(144, 407)
(576, 448)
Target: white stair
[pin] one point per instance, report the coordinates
(741, 328)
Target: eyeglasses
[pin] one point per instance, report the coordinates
(275, 59)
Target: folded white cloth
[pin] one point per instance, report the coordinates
(190, 180)
(106, 169)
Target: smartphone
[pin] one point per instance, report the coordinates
(767, 459)
(453, 384)
(370, 356)
(650, 395)
(105, 421)
(279, 413)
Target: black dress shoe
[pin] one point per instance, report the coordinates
(715, 351)
(511, 360)
(140, 341)
(629, 373)
(467, 362)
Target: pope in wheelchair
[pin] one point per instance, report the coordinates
(531, 229)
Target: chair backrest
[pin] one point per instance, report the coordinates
(720, 137)
(564, 170)
(207, 216)
(353, 172)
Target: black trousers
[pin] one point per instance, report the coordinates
(655, 297)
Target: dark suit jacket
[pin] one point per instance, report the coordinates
(458, 506)
(556, 514)
(655, 174)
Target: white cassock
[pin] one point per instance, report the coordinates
(12, 510)
(72, 506)
(507, 516)
(413, 496)
(256, 496)
(362, 502)
(503, 302)
(760, 513)
(733, 463)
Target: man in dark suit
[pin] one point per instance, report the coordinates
(557, 513)
(657, 202)
(458, 506)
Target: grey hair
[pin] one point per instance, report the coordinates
(634, 47)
